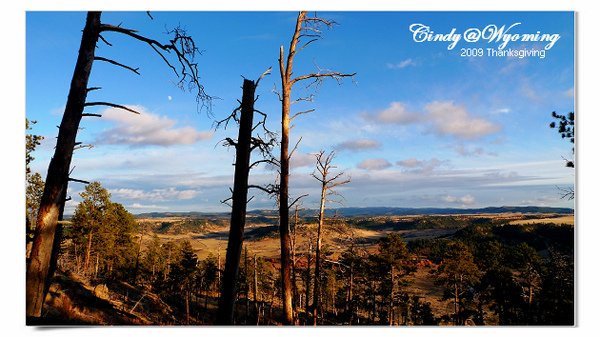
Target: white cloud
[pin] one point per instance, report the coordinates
(396, 113)
(444, 118)
(374, 164)
(447, 118)
(146, 129)
(464, 200)
(302, 160)
(402, 64)
(358, 144)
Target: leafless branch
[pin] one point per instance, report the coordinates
(90, 115)
(93, 88)
(567, 193)
(229, 142)
(104, 40)
(310, 98)
(269, 189)
(267, 72)
(185, 50)
(301, 113)
(80, 146)
(111, 105)
(294, 148)
(297, 199)
(264, 161)
(277, 92)
(318, 77)
(79, 181)
(100, 58)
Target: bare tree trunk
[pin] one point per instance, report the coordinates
(238, 210)
(187, 307)
(391, 310)
(57, 176)
(97, 265)
(137, 258)
(317, 282)
(293, 259)
(256, 292)
(456, 301)
(284, 229)
(350, 304)
(88, 252)
(308, 285)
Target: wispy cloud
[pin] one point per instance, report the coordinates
(155, 194)
(467, 151)
(138, 206)
(402, 64)
(358, 145)
(374, 164)
(420, 166)
(146, 129)
(501, 111)
(569, 92)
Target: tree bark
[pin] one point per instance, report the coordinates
(88, 254)
(284, 224)
(308, 261)
(317, 282)
(58, 171)
(238, 211)
(255, 292)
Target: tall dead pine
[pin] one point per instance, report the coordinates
(244, 145)
(46, 234)
(307, 31)
(238, 209)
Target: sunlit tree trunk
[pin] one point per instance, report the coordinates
(58, 171)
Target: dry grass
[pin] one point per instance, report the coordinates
(557, 220)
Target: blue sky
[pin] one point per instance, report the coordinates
(420, 126)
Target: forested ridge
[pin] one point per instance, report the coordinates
(475, 271)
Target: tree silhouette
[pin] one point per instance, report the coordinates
(566, 129)
(244, 146)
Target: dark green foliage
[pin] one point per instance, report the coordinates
(103, 230)
(556, 298)
(566, 129)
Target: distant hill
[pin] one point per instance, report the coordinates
(373, 211)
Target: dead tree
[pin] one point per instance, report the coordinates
(181, 47)
(244, 146)
(328, 183)
(307, 31)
